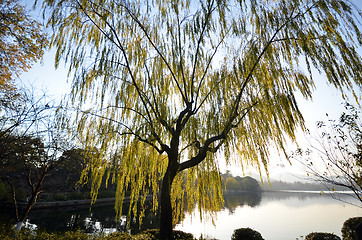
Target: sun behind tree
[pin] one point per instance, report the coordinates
(171, 83)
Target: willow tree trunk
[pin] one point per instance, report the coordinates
(166, 206)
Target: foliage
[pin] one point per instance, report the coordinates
(22, 42)
(19, 153)
(161, 86)
(25, 161)
(349, 229)
(321, 236)
(232, 184)
(249, 184)
(69, 171)
(240, 183)
(154, 234)
(117, 236)
(338, 150)
(8, 233)
(246, 234)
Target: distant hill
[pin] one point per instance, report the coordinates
(248, 183)
(298, 186)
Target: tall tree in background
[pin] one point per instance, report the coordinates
(22, 42)
(171, 83)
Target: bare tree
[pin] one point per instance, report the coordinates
(30, 147)
(335, 155)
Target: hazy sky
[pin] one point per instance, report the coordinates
(326, 99)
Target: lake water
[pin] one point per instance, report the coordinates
(276, 215)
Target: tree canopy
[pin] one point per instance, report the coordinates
(172, 83)
(22, 42)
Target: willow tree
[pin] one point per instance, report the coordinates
(177, 86)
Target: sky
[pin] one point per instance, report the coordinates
(326, 99)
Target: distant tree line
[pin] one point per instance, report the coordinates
(249, 184)
(23, 163)
(240, 184)
(296, 186)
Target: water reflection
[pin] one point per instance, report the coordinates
(278, 216)
(256, 210)
(287, 195)
(232, 201)
(103, 219)
(97, 220)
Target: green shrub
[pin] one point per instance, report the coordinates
(151, 234)
(206, 238)
(349, 229)
(71, 235)
(182, 235)
(7, 233)
(246, 234)
(321, 236)
(154, 234)
(5, 230)
(117, 236)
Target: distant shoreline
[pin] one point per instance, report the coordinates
(86, 203)
(66, 204)
(321, 192)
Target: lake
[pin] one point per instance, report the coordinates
(276, 215)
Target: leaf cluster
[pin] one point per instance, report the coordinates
(350, 228)
(321, 236)
(246, 233)
(22, 42)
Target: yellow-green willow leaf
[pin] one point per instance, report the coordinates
(171, 83)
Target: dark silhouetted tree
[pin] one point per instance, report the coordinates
(30, 146)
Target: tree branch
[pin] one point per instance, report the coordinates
(205, 23)
(157, 50)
